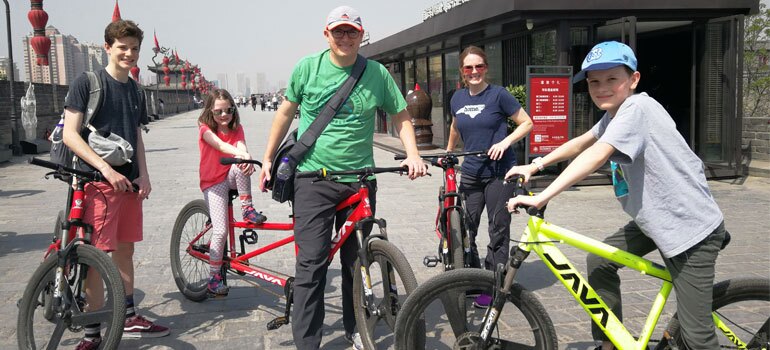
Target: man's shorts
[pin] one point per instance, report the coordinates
(115, 216)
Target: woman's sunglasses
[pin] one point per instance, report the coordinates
(479, 68)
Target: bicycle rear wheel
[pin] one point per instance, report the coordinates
(452, 321)
(392, 280)
(743, 304)
(40, 326)
(192, 230)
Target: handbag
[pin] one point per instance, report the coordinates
(115, 150)
(294, 149)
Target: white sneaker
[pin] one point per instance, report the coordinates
(355, 339)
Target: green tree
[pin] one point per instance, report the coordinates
(520, 93)
(756, 78)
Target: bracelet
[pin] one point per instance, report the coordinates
(539, 163)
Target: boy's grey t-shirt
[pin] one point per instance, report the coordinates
(666, 193)
(122, 111)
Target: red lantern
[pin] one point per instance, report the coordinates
(167, 79)
(135, 73)
(165, 60)
(40, 43)
(166, 70)
(184, 84)
(184, 78)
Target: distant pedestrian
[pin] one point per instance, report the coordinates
(254, 102)
(262, 102)
(275, 102)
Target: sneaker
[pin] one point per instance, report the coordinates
(355, 340)
(250, 215)
(140, 327)
(217, 287)
(482, 301)
(86, 344)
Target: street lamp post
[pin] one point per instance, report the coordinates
(15, 132)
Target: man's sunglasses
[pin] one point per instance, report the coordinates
(229, 110)
(479, 68)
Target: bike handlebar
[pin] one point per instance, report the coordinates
(323, 173)
(443, 155)
(61, 169)
(522, 190)
(230, 160)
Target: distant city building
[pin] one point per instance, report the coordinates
(243, 85)
(68, 58)
(4, 68)
(222, 81)
(281, 84)
(261, 84)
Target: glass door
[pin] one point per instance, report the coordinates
(720, 94)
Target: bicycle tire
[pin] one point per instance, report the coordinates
(727, 294)
(190, 274)
(456, 237)
(386, 256)
(451, 285)
(31, 329)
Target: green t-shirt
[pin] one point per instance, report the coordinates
(346, 143)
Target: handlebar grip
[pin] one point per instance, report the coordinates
(232, 160)
(306, 174)
(229, 160)
(399, 157)
(532, 211)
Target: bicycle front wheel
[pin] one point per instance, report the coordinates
(448, 307)
(192, 232)
(40, 325)
(456, 237)
(392, 280)
(743, 305)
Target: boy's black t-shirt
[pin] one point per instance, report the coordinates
(122, 111)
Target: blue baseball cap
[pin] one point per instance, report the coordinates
(606, 55)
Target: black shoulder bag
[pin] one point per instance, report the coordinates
(295, 150)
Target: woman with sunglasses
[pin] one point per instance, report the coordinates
(480, 118)
(221, 135)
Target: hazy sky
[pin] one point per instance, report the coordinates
(224, 36)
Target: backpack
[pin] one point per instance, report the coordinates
(60, 153)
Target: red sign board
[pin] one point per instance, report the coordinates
(549, 108)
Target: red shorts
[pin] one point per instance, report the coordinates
(115, 216)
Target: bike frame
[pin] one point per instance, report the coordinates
(239, 261)
(540, 236)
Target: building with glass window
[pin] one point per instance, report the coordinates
(689, 52)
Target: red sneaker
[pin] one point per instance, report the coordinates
(89, 344)
(140, 327)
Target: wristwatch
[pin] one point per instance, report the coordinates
(539, 163)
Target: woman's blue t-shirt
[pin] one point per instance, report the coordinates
(482, 122)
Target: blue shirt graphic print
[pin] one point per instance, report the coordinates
(619, 183)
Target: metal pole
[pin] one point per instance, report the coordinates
(15, 145)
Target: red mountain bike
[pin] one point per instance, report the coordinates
(53, 309)
(379, 295)
(451, 227)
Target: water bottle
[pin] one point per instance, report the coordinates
(281, 176)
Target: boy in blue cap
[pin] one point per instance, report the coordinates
(659, 182)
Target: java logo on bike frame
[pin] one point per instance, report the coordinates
(593, 303)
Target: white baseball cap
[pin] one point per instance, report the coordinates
(344, 15)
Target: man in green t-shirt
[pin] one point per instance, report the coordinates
(345, 144)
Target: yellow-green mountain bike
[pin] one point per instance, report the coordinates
(517, 320)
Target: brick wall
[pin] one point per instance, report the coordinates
(756, 131)
(47, 116)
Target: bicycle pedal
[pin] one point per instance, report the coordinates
(431, 261)
(277, 323)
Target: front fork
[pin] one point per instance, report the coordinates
(364, 258)
(60, 304)
(503, 282)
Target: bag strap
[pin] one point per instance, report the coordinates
(323, 119)
(94, 98)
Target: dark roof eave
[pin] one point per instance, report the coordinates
(477, 12)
